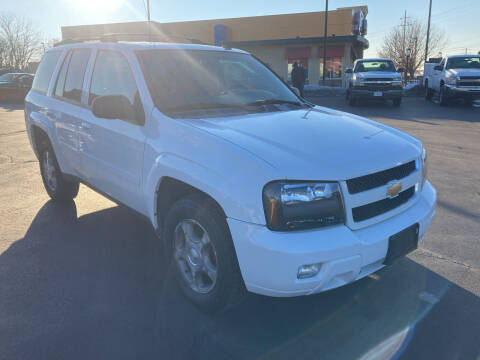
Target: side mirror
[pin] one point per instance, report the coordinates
(438, 67)
(400, 70)
(295, 90)
(349, 71)
(113, 107)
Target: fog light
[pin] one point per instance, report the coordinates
(308, 271)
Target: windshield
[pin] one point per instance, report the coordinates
(467, 62)
(381, 65)
(186, 81)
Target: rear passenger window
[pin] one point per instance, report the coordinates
(75, 74)
(45, 71)
(61, 76)
(112, 76)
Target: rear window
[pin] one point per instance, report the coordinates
(45, 71)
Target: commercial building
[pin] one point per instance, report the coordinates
(278, 40)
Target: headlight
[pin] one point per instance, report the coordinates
(356, 81)
(451, 80)
(302, 205)
(424, 166)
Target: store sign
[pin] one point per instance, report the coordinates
(359, 23)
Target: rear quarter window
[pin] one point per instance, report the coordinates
(45, 71)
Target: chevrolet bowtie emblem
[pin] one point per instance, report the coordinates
(394, 189)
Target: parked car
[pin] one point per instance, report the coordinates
(249, 186)
(374, 79)
(15, 86)
(455, 77)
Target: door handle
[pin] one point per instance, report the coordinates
(86, 125)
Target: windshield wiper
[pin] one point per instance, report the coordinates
(273, 102)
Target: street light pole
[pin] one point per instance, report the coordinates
(409, 53)
(325, 42)
(428, 31)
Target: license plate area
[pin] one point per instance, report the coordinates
(402, 243)
(377, 93)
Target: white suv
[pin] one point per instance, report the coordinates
(249, 186)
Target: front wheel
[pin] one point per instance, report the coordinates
(203, 255)
(428, 92)
(352, 101)
(442, 99)
(57, 187)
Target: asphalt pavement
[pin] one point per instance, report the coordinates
(88, 280)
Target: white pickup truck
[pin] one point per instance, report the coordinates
(455, 77)
(374, 79)
(248, 185)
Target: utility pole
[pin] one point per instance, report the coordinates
(404, 47)
(148, 20)
(428, 30)
(325, 42)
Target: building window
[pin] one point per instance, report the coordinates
(334, 68)
(303, 62)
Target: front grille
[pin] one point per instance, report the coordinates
(379, 87)
(376, 208)
(468, 83)
(469, 77)
(379, 79)
(380, 178)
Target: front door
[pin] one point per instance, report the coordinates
(112, 149)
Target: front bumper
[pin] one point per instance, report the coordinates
(269, 260)
(453, 92)
(370, 94)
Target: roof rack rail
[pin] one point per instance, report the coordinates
(133, 37)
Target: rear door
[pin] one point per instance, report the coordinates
(437, 76)
(112, 149)
(69, 110)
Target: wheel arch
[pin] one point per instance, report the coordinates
(39, 138)
(169, 190)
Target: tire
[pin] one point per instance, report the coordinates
(397, 102)
(203, 257)
(428, 92)
(441, 97)
(57, 187)
(352, 101)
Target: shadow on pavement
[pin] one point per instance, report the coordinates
(98, 287)
(11, 106)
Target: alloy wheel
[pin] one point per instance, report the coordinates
(195, 255)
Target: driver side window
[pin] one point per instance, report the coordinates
(112, 76)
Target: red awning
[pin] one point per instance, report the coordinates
(297, 53)
(332, 51)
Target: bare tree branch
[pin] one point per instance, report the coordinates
(19, 41)
(395, 45)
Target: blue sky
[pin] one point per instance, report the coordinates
(457, 18)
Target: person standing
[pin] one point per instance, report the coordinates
(298, 77)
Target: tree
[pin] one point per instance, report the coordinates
(395, 45)
(19, 41)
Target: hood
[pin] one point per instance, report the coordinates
(378, 74)
(316, 144)
(464, 72)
